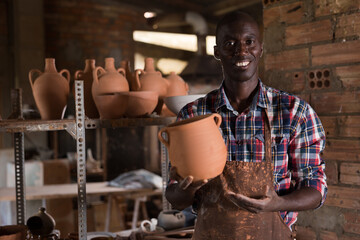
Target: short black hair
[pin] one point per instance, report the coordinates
(234, 16)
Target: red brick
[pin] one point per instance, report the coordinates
(305, 233)
(352, 222)
(326, 235)
(328, 7)
(298, 81)
(331, 172)
(343, 197)
(349, 75)
(342, 150)
(341, 126)
(336, 102)
(289, 13)
(308, 32)
(291, 59)
(350, 173)
(336, 53)
(348, 25)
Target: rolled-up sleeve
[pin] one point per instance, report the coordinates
(307, 143)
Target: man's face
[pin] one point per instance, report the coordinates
(239, 49)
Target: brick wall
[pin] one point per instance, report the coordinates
(312, 49)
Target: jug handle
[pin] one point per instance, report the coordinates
(67, 75)
(217, 118)
(31, 79)
(79, 74)
(122, 71)
(137, 79)
(166, 143)
(96, 71)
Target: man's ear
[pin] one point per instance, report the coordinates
(262, 50)
(216, 53)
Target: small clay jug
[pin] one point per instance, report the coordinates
(41, 224)
(150, 80)
(87, 76)
(50, 90)
(196, 146)
(109, 80)
(129, 74)
(177, 85)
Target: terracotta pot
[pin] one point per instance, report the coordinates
(41, 224)
(150, 80)
(109, 80)
(87, 76)
(13, 232)
(50, 90)
(196, 146)
(111, 105)
(177, 85)
(140, 103)
(130, 75)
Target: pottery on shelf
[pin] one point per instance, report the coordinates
(109, 79)
(130, 75)
(50, 90)
(41, 223)
(196, 146)
(13, 232)
(140, 103)
(86, 76)
(177, 85)
(175, 103)
(111, 105)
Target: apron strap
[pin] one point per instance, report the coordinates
(267, 133)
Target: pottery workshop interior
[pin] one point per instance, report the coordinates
(89, 88)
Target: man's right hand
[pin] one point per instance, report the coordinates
(181, 194)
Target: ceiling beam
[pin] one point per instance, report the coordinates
(224, 7)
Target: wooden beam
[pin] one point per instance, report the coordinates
(224, 7)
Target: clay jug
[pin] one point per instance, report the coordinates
(13, 232)
(177, 85)
(50, 90)
(150, 80)
(130, 75)
(87, 76)
(196, 146)
(41, 223)
(109, 80)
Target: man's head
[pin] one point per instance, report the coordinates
(238, 46)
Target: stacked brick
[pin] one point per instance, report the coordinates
(312, 49)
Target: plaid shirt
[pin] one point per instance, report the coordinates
(298, 137)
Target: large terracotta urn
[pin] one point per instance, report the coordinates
(177, 85)
(86, 76)
(50, 89)
(196, 146)
(109, 79)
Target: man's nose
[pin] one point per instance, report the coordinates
(241, 49)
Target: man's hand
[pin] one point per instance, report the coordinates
(268, 203)
(181, 194)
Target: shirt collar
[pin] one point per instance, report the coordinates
(261, 98)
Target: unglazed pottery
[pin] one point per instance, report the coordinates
(196, 146)
(109, 80)
(86, 76)
(41, 224)
(50, 90)
(130, 75)
(111, 105)
(175, 103)
(13, 232)
(177, 85)
(140, 103)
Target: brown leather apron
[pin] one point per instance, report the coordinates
(219, 218)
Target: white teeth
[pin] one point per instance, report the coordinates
(242, 64)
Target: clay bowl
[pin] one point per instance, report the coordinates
(140, 103)
(175, 103)
(111, 105)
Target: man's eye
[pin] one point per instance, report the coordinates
(229, 43)
(249, 42)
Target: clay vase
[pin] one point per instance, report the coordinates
(177, 85)
(109, 80)
(50, 90)
(13, 232)
(196, 146)
(41, 224)
(130, 75)
(140, 103)
(111, 105)
(87, 76)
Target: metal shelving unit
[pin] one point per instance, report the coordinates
(76, 128)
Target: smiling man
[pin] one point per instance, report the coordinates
(274, 140)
